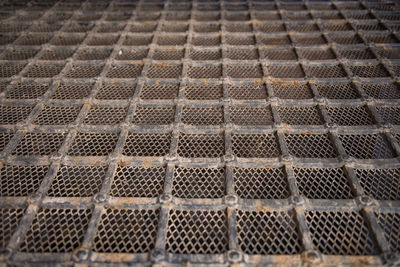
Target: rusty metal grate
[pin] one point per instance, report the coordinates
(211, 132)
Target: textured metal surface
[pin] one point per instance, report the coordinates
(209, 132)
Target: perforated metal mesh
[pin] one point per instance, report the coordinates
(210, 132)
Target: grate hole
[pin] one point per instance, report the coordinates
(389, 53)
(238, 27)
(337, 91)
(131, 54)
(242, 115)
(159, 91)
(165, 71)
(13, 27)
(370, 71)
(39, 144)
(93, 54)
(303, 27)
(9, 220)
(53, 115)
(77, 181)
(78, 27)
(286, 71)
(201, 145)
(279, 54)
(357, 54)
(389, 114)
(154, 115)
(338, 27)
(171, 40)
(147, 145)
(93, 144)
(174, 27)
(292, 90)
(169, 54)
(381, 38)
(329, 229)
(126, 231)
(84, 71)
(381, 184)
(203, 91)
(8, 70)
(261, 183)
(4, 139)
(14, 114)
(198, 183)
(67, 40)
(202, 115)
(206, 16)
(27, 91)
(309, 39)
(201, 54)
(319, 183)
(268, 232)
(98, 40)
(317, 54)
(56, 230)
(143, 27)
(270, 27)
(111, 27)
(331, 71)
(241, 54)
(20, 54)
(206, 28)
(102, 115)
(390, 224)
(115, 91)
(255, 145)
(266, 16)
(19, 181)
(382, 91)
(138, 40)
(247, 91)
(206, 40)
(366, 146)
(125, 71)
(43, 71)
(310, 146)
(240, 40)
(204, 72)
(346, 39)
(350, 116)
(57, 54)
(300, 115)
(132, 181)
(197, 232)
(244, 71)
(370, 27)
(34, 39)
(72, 91)
(7, 39)
(273, 40)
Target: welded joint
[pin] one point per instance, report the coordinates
(231, 200)
(332, 126)
(100, 198)
(157, 255)
(234, 256)
(346, 159)
(80, 255)
(35, 198)
(390, 259)
(297, 200)
(312, 257)
(165, 198)
(365, 200)
(287, 158)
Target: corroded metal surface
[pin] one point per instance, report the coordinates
(208, 132)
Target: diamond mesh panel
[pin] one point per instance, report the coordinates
(56, 230)
(382, 184)
(329, 228)
(126, 231)
(268, 232)
(390, 223)
(9, 220)
(197, 232)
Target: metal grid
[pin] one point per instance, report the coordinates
(206, 131)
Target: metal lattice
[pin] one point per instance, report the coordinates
(211, 132)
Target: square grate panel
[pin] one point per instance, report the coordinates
(231, 129)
